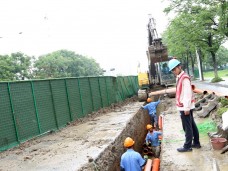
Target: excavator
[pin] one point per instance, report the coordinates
(158, 71)
(158, 59)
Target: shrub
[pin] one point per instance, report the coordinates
(221, 111)
(216, 79)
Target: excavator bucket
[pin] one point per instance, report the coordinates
(157, 52)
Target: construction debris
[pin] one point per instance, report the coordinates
(206, 105)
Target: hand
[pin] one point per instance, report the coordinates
(187, 112)
(145, 157)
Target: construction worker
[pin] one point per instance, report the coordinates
(131, 160)
(151, 108)
(153, 137)
(185, 105)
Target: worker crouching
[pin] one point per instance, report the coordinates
(131, 160)
(152, 137)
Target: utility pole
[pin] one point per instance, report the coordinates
(198, 57)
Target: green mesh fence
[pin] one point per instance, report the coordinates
(44, 105)
(31, 108)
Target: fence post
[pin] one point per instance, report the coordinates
(36, 110)
(80, 96)
(91, 94)
(13, 114)
(53, 104)
(107, 91)
(68, 101)
(100, 93)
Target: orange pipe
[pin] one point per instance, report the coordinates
(207, 91)
(160, 122)
(148, 165)
(199, 91)
(156, 164)
(165, 91)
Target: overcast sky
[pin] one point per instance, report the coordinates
(113, 32)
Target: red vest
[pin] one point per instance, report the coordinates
(179, 89)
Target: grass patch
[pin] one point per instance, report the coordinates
(207, 126)
(216, 79)
(221, 73)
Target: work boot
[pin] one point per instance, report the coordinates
(182, 149)
(196, 146)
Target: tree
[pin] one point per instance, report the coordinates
(219, 7)
(6, 68)
(15, 67)
(196, 25)
(222, 57)
(22, 65)
(64, 63)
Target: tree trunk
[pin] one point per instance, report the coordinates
(192, 62)
(214, 64)
(213, 56)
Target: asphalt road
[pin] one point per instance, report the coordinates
(220, 87)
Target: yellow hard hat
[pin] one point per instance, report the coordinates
(149, 100)
(149, 126)
(128, 142)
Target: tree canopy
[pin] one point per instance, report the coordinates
(58, 64)
(15, 67)
(64, 63)
(198, 24)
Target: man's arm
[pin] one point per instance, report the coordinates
(187, 95)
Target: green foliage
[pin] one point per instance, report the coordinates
(197, 25)
(194, 7)
(64, 63)
(216, 79)
(221, 110)
(222, 57)
(224, 102)
(15, 67)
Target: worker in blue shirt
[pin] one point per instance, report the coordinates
(152, 137)
(131, 160)
(151, 108)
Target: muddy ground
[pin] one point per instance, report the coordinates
(197, 160)
(92, 143)
(96, 143)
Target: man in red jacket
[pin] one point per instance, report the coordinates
(185, 103)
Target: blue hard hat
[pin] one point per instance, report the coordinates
(173, 63)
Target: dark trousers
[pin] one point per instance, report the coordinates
(190, 129)
(154, 120)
